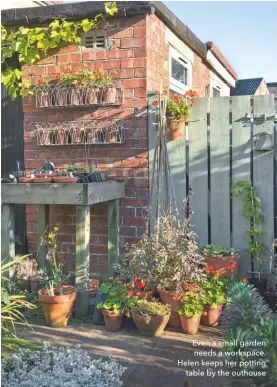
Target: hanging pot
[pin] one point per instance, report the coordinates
(176, 128)
(92, 96)
(44, 98)
(61, 97)
(111, 95)
(75, 97)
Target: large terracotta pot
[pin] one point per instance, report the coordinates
(154, 328)
(211, 316)
(172, 299)
(190, 325)
(57, 309)
(113, 322)
(221, 262)
(176, 128)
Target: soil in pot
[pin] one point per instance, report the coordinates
(113, 322)
(154, 328)
(211, 316)
(171, 299)
(190, 325)
(57, 309)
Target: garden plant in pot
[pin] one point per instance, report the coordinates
(177, 111)
(221, 258)
(56, 297)
(214, 297)
(113, 306)
(190, 312)
(150, 317)
(168, 258)
(106, 91)
(43, 92)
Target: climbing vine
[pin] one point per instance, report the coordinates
(33, 44)
(251, 205)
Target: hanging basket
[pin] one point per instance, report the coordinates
(176, 128)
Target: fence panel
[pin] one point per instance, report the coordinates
(220, 171)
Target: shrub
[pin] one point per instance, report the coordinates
(150, 309)
(192, 305)
(58, 366)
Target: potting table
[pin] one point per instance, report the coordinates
(80, 195)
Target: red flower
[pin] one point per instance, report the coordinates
(231, 267)
(217, 273)
(244, 279)
(210, 269)
(155, 103)
(139, 283)
(131, 293)
(193, 102)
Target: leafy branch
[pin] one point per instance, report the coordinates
(251, 205)
(33, 44)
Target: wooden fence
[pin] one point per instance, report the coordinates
(219, 148)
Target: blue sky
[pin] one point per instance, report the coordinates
(245, 32)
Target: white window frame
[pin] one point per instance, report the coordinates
(218, 88)
(175, 85)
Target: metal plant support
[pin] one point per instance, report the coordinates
(80, 132)
(54, 96)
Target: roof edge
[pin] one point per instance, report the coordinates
(220, 57)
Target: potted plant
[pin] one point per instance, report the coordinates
(56, 297)
(104, 82)
(190, 312)
(226, 260)
(150, 317)
(43, 92)
(177, 111)
(113, 305)
(72, 82)
(169, 259)
(214, 297)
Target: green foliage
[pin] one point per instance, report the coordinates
(116, 297)
(169, 258)
(11, 313)
(252, 210)
(149, 309)
(33, 44)
(214, 292)
(215, 250)
(192, 305)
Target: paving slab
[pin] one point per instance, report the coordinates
(150, 361)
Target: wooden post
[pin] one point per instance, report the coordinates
(82, 259)
(113, 234)
(7, 235)
(43, 222)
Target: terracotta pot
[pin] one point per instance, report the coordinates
(172, 299)
(92, 96)
(113, 322)
(144, 295)
(45, 179)
(25, 180)
(177, 128)
(65, 179)
(60, 137)
(221, 262)
(111, 95)
(54, 174)
(75, 97)
(190, 325)
(44, 98)
(57, 309)
(61, 97)
(154, 328)
(210, 317)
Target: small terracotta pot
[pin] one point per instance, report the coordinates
(57, 309)
(54, 174)
(190, 325)
(172, 299)
(177, 128)
(65, 179)
(113, 322)
(45, 179)
(61, 97)
(220, 263)
(154, 328)
(92, 96)
(144, 295)
(75, 97)
(44, 97)
(25, 180)
(93, 285)
(111, 95)
(210, 317)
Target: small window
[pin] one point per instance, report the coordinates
(180, 72)
(216, 92)
(95, 39)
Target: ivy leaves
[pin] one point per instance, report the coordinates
(30, 44)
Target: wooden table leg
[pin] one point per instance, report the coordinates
(113, 234)
(7, 235)
(82, 260)
(43, 223)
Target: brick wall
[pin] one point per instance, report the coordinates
(127, 58)
(200, 77)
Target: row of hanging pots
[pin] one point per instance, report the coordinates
(76, 97)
